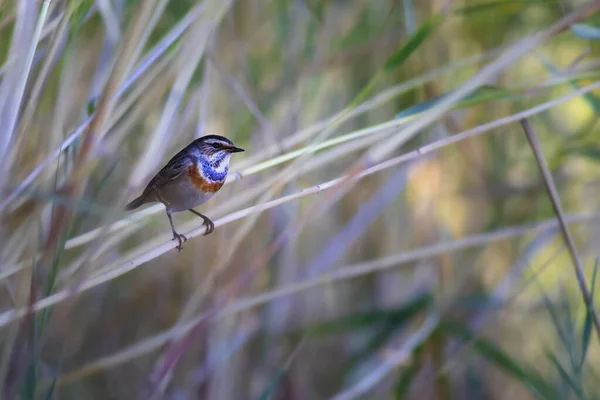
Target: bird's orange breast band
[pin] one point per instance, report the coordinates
(202, 184)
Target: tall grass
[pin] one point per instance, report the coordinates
(386, 234)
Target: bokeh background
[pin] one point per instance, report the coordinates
(434, 270)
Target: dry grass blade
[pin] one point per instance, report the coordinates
(106, 103)
(23, 48)
(555, 199)
(161, 47)
(43, 76)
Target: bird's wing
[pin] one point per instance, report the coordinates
(178, 165)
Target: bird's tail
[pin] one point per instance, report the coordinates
(135, 203)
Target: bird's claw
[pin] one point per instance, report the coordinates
(210, 227)
(179, 237)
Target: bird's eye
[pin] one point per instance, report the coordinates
(216, 145)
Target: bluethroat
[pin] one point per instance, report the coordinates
(189, 179)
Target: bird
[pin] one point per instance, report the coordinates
(192, 177)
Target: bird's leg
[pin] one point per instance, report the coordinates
(176, 235)
(210, 226)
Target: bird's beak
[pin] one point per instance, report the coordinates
(234, 149)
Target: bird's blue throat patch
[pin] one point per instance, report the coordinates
(209, 171)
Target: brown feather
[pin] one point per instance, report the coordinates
(173, 170)
(202, 184)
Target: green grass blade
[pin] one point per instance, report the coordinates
(274, 381)
(401, 391)
(589, 151)
(587, 326)
(496, 356)
(398, 315)
(569, 324)
(483, 94)
(590, 98)
(487, 6)
(51, 389)
(78, 9)
(29, 384)
(565, 375)
(316, 8)
(416, 40)
(555, 318)
(377, 339)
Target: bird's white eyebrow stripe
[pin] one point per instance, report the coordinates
(212, 141)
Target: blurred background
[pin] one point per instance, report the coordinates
(386, 235)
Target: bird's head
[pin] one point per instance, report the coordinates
(216, 149)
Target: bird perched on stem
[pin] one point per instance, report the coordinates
(189, 179)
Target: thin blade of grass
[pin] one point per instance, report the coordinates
(271, 387)
(486, 6)
(492, 353)
(402, 387)
(427, 28)
(555, 199)
(587, 325)
(569, 380)
(11, 96)
(398, 357)
(399, 315)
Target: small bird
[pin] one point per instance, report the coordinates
(189, 179)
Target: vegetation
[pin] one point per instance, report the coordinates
(415, 216)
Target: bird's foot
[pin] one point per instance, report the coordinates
(210, 226)
(181, 238)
